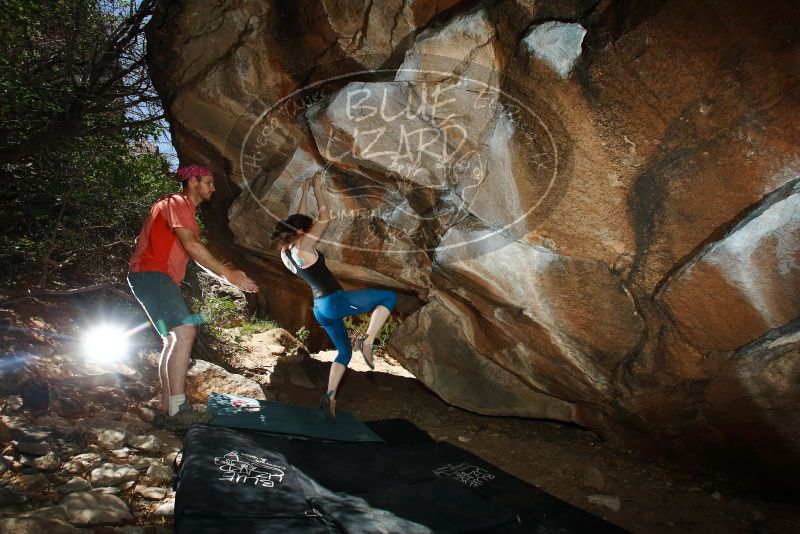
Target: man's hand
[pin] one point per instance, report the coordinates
(199, 253)
(242, 281)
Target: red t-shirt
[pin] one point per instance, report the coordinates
(158, 248)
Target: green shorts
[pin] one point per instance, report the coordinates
(162, 300)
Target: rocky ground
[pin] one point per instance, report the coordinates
(79, 451)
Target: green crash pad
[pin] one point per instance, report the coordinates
(234, 411)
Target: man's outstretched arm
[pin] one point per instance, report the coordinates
(199, 253)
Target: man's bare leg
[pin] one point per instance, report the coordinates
(169, 341)
(178, 362)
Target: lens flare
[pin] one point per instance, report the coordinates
(105, 343)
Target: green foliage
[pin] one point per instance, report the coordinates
(357, 326)
(256, 326)
(388, 329)
(302, 335)
(222, 312)
(31, 95)
(80, 208)
(71, 68)
(218, 312)
(72, 203)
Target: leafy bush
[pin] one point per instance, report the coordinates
(71, 69)
(256, 326)
(357, 326)
(77, 211)
(221, 312)
(78, 168)
(218, 312)
(302, 335)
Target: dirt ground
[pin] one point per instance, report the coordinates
(564, 460)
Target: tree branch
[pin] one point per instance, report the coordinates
(78, 291)
(54, 136)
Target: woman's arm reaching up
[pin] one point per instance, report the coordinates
(316, 231)
(303, 207)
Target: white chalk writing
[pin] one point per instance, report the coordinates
(469, 475)
(241, 468)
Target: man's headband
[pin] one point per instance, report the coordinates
(192, 171)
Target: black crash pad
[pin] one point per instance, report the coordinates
(257, 482)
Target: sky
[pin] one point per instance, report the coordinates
(164, 144)
(164, 140)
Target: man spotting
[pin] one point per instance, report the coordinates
(170, 237)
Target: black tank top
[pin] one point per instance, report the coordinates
(318, 277)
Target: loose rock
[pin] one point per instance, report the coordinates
(108, 434)
(48, 462)
(165, 509)
(160, 473)
(12, 495)
(75, 484)
(113, 475)
(204, 378)
(142, 463)
(121, 453)
(88, 459)
(146, 443)
(36, 525)
(86, 508)
(37, 449)
(609, 501)
(151, 493)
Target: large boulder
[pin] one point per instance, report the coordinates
(205, 378)
(590, 209)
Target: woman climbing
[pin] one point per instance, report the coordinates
(297, 236)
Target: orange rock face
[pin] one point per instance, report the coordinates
(592, 209)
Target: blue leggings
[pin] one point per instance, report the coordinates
(331, 309)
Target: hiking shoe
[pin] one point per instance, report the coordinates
(186, 417)
(159, 418)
